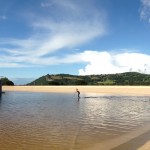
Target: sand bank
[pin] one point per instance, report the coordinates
(110, 90)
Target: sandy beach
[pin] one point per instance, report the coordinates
(136, 140)
(110, 90)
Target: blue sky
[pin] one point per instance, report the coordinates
(80, 37)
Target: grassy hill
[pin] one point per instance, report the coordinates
(128, 78)
(6, 81)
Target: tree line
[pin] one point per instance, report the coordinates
(128, 78)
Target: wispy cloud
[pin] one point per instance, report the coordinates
(64, 25)
(68, 25)
(96, 62)
(3, 17)
(145, 10)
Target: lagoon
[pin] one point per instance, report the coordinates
(59, 121)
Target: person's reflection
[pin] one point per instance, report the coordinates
(0, 96)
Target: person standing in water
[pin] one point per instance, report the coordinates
(78, 93)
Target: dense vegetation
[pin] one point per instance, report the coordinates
(128, 78)
(6, 81)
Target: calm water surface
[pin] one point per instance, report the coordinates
(50, 121)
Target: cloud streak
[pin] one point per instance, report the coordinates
(66, 26)
(3, 17)
(95, 62)
(145, 10)
(71, 26)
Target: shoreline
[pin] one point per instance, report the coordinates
(139, 139)
(106, 90)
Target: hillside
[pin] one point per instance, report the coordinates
(6, 81)
(128, 78)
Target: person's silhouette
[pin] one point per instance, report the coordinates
(78, 93)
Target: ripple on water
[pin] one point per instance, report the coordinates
(36, 121)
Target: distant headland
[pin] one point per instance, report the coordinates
(128, 78)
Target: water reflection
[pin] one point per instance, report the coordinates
(0, 98)
(60, 122)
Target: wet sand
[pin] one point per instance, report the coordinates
(136, 140)
(111, 90)
(139, 139)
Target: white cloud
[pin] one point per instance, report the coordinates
(145, 10)
(65, 3)
(70, 25)
(107, 63)
(96, 62)
(146, 2)
(10, 65)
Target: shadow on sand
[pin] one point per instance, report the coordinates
(135, 143)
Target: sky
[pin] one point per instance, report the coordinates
(78, 37)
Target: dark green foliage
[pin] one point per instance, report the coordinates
(128, 78)
(6, 81)
(54, 83)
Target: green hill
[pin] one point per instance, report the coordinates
(128, 78)
(6, 81)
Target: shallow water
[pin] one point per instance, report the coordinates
(50, 121)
